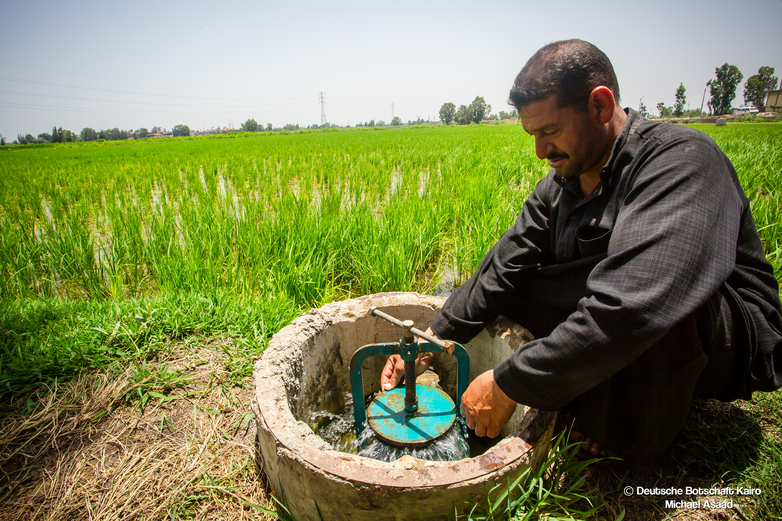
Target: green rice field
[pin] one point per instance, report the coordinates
(109, 252)
(306, 216)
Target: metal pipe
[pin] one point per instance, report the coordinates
(445, 346)
(411, 401)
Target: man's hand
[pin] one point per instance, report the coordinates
(486, 407)
(394, 371)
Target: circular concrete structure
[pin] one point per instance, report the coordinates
(305, 369)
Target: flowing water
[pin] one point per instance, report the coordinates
(339, 431)
(450, 447)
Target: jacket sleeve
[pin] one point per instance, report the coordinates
(515, 256)
(672, 246)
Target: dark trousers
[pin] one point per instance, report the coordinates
(636, 413)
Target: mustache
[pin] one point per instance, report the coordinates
(557, 155)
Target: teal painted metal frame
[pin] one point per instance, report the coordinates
(395, 348)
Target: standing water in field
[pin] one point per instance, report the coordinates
(339, 431)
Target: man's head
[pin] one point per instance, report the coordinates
(567, 98)
(568, 70)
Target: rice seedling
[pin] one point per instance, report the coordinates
(309, 216)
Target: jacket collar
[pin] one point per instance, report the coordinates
(633, 121)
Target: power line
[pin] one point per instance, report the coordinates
(168, 104)
(51, 84)
(214, 111)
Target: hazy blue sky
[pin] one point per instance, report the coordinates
(204, 64)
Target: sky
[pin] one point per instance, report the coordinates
(211, 64)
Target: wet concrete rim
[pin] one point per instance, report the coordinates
(505, 456)
(296, 438)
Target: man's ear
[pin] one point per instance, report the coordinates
(602, 104)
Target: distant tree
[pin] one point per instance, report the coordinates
(723, 88)
(447, 112)
(88, 134)
(507, 115)
(62, 136)
(381, 123)
(269, 127)
(396, 122)
(44, 137)
(155, 130)
(2, 140)
(479, 109)
(758, 84)
(116, 134)
(663, 110)
(463, 115)
(250, 126)
(681, 99)
(57, 135)
(643, 110)
(143, 133)
(291, 127)
(181, 130)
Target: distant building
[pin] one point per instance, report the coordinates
(774, 101)
(738, 111)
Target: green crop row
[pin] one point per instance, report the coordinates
(311, 217)
(296, 220)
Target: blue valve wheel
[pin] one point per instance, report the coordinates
(435, 416)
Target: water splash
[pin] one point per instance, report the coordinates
(338, 430)
(450, 447)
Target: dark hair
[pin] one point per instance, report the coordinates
(568, 70)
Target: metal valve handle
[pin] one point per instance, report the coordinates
(409, 349)
(407, 325)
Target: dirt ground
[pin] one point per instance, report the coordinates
(88, 451)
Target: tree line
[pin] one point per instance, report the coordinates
(58, 135)
(465, 114)
(722, 92)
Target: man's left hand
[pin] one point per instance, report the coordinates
(486, 407)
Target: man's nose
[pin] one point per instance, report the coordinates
(543, 148)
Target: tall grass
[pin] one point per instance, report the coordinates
(300, 218)
(311, 216)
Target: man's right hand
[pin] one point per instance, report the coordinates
(394, 371)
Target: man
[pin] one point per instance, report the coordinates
(635, 263)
